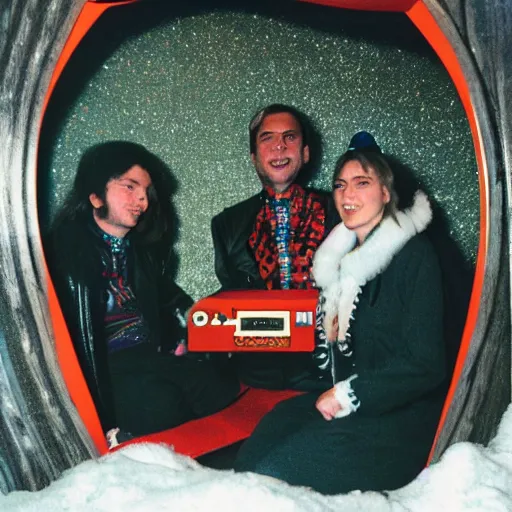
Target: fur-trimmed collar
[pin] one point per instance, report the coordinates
(340, 270)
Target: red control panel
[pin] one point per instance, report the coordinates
(254, 320)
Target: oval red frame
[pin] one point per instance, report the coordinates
(426, 24)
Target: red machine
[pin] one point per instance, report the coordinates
(254, 320)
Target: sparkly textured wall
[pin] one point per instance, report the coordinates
(185, 84)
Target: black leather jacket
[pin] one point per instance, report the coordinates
(235, 265)
(74, 254)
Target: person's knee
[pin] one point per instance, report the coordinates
(267, 466)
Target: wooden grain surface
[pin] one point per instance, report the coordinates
(40, 432)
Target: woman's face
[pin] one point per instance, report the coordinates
(360, 198)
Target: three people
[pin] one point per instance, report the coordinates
(379, 339)
(268, 240)
(108, 253)
(379, 356)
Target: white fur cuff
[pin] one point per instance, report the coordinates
(346, 397)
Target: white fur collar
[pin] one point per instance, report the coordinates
(340, 271)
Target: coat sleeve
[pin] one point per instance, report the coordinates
(174, 304)
(81, 309)
(235, 266)
(409, 361)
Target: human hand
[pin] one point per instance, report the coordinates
(328, 405)
(332, 330)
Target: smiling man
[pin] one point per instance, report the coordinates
(268, 240)
(108, 254)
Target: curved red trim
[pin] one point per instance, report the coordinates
(72, 373)
(424, 21)
(367, 5)
(86, 19)
(421, 17)
(66, 356)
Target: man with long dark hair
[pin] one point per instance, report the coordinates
(109, 254)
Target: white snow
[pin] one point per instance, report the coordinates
(149, 477)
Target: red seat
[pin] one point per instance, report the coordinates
(226, 427)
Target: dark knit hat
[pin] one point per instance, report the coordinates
(363, 140)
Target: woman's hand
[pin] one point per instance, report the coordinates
(328, 405)
(332, 331)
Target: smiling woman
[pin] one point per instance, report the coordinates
(41, 432)
(360, 196)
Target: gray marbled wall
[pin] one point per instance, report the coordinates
(40, 432)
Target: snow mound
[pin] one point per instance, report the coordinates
(150, 477)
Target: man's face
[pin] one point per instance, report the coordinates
(279, 152)
(126, 199)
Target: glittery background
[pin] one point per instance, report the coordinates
(185, 83)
